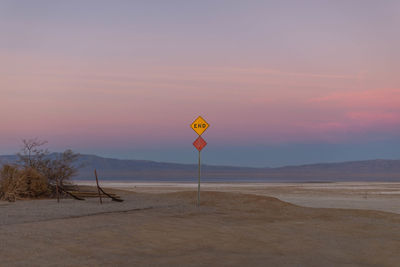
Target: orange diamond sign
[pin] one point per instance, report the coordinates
(199, 125)
(199, 143)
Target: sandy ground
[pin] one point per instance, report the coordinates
(167, 229)
(351, 195)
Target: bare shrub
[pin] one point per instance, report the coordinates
(16, 183)
(57, 167)
(37, 172)
(9, 175)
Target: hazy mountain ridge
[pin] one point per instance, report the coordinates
(118, 169)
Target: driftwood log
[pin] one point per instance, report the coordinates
(62, 190)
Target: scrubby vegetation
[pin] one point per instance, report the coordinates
(37, 172)
(17, 183)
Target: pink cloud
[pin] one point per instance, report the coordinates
(382, 99)
(368, 117)
(355, 112)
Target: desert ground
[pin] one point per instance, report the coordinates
(344, 195)
(235, 225)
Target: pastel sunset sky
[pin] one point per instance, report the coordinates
(279, 82)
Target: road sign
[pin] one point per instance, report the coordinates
(199, 125)
(199, 143)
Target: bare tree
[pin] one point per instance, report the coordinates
(38, 172)
(61, 167)
(56, 167)
(32, 154)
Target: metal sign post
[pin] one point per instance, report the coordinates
(199, 126)
(198, 185)
(200, 143)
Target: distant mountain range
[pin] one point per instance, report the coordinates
(143, 170)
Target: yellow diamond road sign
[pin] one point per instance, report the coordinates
(199, 125)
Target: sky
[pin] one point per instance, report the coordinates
(279, 82)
